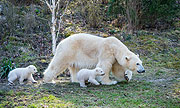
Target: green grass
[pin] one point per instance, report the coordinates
(157, 88)
(126, 95)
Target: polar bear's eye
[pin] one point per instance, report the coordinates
(137, 63)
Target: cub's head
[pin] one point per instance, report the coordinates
(32, 69)
(133, 63)
(99, 71)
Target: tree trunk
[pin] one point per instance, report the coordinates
(53, 27)
(131, 15)
(54, 8)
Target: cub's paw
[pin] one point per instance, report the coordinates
(21, 83)
(11, 84)
(97, 84)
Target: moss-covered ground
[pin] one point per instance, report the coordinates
(159, 87)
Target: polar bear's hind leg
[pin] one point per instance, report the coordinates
(73, 72)
(12, 79)
(56, 67)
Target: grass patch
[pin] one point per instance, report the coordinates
(157, 88)
(134, 94)
(156, 51)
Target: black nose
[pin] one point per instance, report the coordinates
(103, 74)
(143, 71)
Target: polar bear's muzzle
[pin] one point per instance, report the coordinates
(103, 74)
(140, 69)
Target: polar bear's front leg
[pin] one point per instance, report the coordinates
(11, 79)
(73, 72)
(106, 81)
(106, 67)
(21, 80)
(82, 83)
(30, 78)
(128, 75)
(93, 81)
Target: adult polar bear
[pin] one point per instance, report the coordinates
(88, 51)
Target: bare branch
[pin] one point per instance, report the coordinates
(48, 5)
(57, 6)
(57, 3)
(60, 20)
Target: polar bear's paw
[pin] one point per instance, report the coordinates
(109, 83)
(82, 85)
(34, 82)
(21, 83)
(50, 82)
(113, 82)
(11, 84)
(53, 82)
(97, 84)
(128, 75)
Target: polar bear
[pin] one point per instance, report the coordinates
(21, 74)
(89, 75)
(88, 51)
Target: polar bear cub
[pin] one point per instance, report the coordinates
(90, 75)
(21, 74)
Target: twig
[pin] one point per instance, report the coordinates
(60, 20)
(57, 3)
(47, 4)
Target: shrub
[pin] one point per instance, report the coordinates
(146, 13)
(90, 11)
(116, 7)
(6, 66)
(129, 9)
(159, 12)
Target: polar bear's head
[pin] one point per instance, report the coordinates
(99, 71)
(32, 69)
(132, 62)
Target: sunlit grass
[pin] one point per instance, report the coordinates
(157, 88)
(134, 94)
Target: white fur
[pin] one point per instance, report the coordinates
(128, 75)
(21, 74)
(90, 75)
(88, 51)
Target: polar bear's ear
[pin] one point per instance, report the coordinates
(127, 58)
(30, 67)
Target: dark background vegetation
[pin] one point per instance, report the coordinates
(150, 28)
